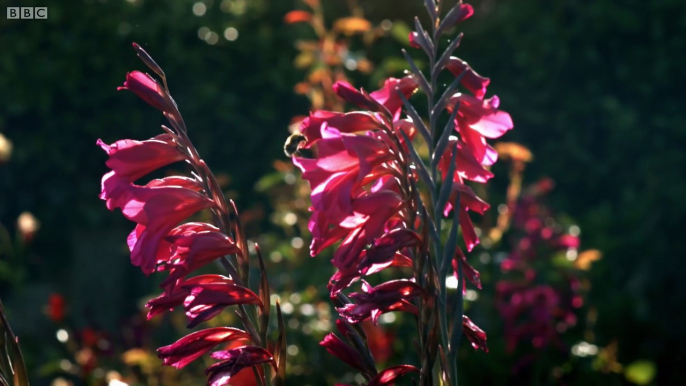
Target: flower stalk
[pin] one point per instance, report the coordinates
(373, 192)
(159, 243)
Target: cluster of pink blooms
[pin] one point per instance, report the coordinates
(532, 309)
(162, 242)
(364, 192)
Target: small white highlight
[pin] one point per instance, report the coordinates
(212, 38)
(199, 9)
(287, 308)
(571, 255)
(231, 34)
(584, 349)
(292, 350)
(451, 282)
(351, 64)
(574, 230)
(307, 309)
(62, 335)
(471, 295)
(290, 218)
(387, 318)
(297, 242)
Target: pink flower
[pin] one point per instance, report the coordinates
(147, 89)
(194, 250)
(384, 99)
(478, 119)
(388, 376)
(311, 127)
(388, 94)
(375, 301)
(341, 350)
(175, 295)
(383, 253)
(131, 160)
(472, 81)
(468, 166)
(157, 207)
(344, 164)
(470, 273)
(194, 345)
(207, 300)
(468, 201)
(475, 335)
(233, 361)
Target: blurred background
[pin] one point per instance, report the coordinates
(591, 177)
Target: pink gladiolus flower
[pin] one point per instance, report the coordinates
(157, 208)
(194, 345)
(475, 335)
(233, 361)
(478, 119)
(345, 163)
(207, 300)
(189, 252)
(175, 295)
(359, 98)
(388, 94)
(131, 160)
(468, 167)
(470, 273)
(375, 301)
(341, 350)
(472, 81)
(147, 89)
(388, 376)
(468, 201)
(311, 127)
(384, 99)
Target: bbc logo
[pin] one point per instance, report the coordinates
(27, 12)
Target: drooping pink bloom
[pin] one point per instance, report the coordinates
(388, 94)
(388, 376)
(478, 119)
(175, 295)
(341, 350)
(468, 201)
(467, 166)
(475, 335)
(157, 207)
(147, 89)
(194, 250)
(233, 361)
(344, 164)
(374, 301)
(472, 81)
(353, 261)
(384, 99)
(470, 273)
(356, 121)
(194, 345)
(207, 300)
(131, 160)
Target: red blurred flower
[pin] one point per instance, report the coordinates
(56, 307)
